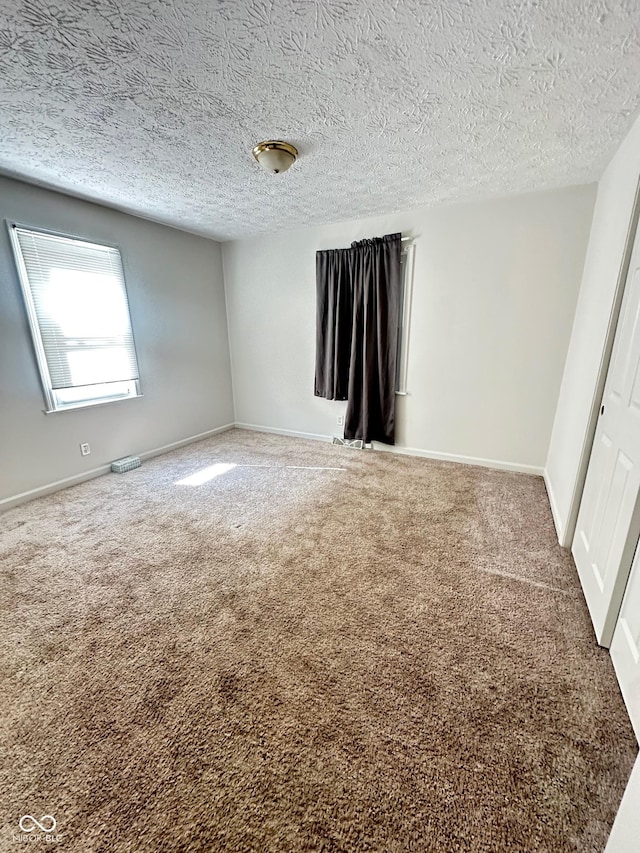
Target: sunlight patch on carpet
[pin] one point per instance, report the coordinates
(206, 474)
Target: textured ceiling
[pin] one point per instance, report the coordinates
(153, 106)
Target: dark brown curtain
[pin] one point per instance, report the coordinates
(358, 291)
(334, 318)
(376, 274)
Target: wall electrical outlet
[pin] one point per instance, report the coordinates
(340, 420)
(85, 449)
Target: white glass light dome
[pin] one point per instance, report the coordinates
(275, 156)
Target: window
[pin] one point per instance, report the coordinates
(404, 317)
(78, 311)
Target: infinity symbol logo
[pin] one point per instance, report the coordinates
(28, 823)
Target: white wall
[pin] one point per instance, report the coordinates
(176, 295)
(495, 289)
(579, 395)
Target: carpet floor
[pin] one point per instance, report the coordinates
(302, 648)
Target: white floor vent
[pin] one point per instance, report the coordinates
(120, 466)
(348, 442)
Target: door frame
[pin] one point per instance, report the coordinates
(603, 370)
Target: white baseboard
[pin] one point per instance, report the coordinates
(49, 488)
(166, 448)
(58, 485)
(496, 464)
(276, 431)
(557, 521)
(409, 451)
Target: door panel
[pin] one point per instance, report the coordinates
(617, 491)
(625, 646)
(635, 393)
(609, 516)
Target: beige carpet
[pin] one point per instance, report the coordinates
(319, 649)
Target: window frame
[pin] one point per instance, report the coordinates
(52, 405)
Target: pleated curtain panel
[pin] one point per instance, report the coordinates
(358, 302)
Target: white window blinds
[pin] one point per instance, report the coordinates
(76, 292)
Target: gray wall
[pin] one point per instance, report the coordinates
(176, 294)
(494, 295)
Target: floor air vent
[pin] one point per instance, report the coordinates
(120, 466)
(348, 442)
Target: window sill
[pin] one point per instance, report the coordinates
(73, 407)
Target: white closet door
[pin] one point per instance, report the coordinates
(625, 647)
(609, 516)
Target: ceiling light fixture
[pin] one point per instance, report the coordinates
(275, 156)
